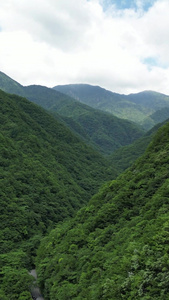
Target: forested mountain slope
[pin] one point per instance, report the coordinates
(99, 129)
(135, 107)
(117, 246)
(126, 156)
(149, 99)
(46, 174)
(105, 132)
(102, 131)
(104, 100)
(157, 117)
(9, 85)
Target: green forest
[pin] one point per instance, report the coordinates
(83, 199)
(117, 246)
(47, 174)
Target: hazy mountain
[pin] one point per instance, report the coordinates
(103, 131)
(135, 107)
(149, 99)
(117, 246)
(157, 117)
(9, 85)
(102, 99)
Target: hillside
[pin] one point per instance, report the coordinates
(149, 99)
(117, 246)
(134, 107)
(47, 173)
(9, 85)
(100, 130)
(104, 132)
(104, 100)
(157, 117)
(126, 156)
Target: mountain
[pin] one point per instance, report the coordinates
(124, 157)
(102, 99)
(134, 107)
(100, 130)
(149, 99)
(9, 85)
(117, 246)
(104, 132)
(46, 174)
(157, 117)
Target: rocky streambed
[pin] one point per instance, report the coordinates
(35, 291)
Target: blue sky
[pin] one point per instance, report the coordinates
(117, 44)
(128, 4)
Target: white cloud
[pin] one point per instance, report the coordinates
(54, 42)
(61, 24)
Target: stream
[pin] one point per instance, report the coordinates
(35, 291)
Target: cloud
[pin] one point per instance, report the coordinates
(61, 24)
(54, 42)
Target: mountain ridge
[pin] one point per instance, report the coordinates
(105, 137)
(135, 107)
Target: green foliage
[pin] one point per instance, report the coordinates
(16, 283)
(126, 156)
(46, 174)
(114, 248)
(117, 246)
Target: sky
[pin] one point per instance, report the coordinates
(120, 45)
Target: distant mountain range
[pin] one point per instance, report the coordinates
(138, 108)
(104, 131)
(102, 119)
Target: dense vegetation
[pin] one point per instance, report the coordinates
(98, 129)
(117, 246)
(135, 107)
(104, 132)
(157, 117)
(101, 130)
(46, 174)
(126, 156)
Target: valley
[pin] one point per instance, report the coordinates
(84, 193)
